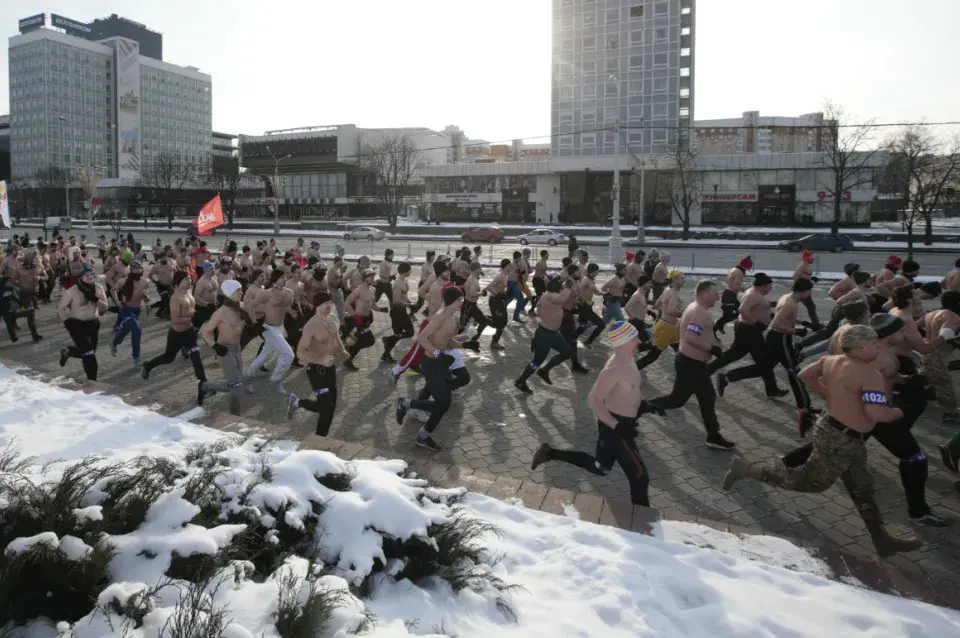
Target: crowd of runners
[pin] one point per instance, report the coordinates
(877, 362)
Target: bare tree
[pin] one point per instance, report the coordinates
(225, 177)
(845, 158)
(165, 179)
(922, 170)
(682, 187)
(394, 164)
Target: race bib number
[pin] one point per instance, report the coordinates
(871, 397)
(695, 328)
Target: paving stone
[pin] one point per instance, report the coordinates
(617, 514)
(556, 499)
(589, 506)
(505, 487)
(644, 519)
(349, 450)
(532, 494)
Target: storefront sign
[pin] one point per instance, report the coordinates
(776, 195)
(722, 196)
(856, 195)
(462, 198)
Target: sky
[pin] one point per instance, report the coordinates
(485, 66)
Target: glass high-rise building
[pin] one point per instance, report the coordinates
(74, 102)
(630, 61)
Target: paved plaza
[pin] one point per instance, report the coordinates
(496, 428)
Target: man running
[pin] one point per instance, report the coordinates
(83, 305)
(617, 405)
(729, 303)
(318, 346)
(131, 294)
(547, 337)
(697, 345)
(941, 324)
(275, 302)
(384, 284)
(637, 311)
(471, 306)
(665, 331)
(805, 271)
(856, 401)
(223, 333)
(400, 321)
(30, 277)
(205, 293)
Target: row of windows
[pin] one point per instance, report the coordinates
(589, 15)
(632, 112)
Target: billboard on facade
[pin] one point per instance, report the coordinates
(128, 108)
(72, 27)
(33, 22)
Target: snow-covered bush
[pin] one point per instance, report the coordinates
(317, 532)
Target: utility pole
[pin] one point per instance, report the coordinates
(616, 241)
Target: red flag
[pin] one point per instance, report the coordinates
(211, 216)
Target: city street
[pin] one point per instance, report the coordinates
(497, 429)
(932, 265)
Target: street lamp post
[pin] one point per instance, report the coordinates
(276, 184)
(616, 241)
(66, 185)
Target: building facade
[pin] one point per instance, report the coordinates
(223, 144)
(621, 62)
(74, 102)
(752, 133)
(320, 170)
(114, 26)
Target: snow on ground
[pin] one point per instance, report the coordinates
(574, 578)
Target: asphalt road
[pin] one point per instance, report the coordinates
(933, 265)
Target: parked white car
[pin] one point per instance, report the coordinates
(364, 232)
(542, 236)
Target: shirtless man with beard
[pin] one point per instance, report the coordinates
(223, 333)
(132, 293)
(275, 303)
(319, 344)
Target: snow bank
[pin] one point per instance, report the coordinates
(572, 578)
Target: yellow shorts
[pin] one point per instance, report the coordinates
(665, 335)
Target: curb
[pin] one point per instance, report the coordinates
(935, 587)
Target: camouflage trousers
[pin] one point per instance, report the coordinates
(834, 455)
(935, 370)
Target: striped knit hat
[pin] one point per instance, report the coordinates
(620, 332)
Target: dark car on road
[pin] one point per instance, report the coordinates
(818, 242)
(491, 234)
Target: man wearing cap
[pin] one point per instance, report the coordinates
(856, 401)
(666, 333)
(779, 349)
(617, 405)
(471, 306)
(400, 321)
(697, 345)
(547, 336)
(729, 305)
(223, 332)
(132, 293)
(437, 339)
(358, 307)
(754, 318)
(385, 279)
(805, 271)
(84, 304)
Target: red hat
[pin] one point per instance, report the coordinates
(630, 256)
(893, 260)
(746, 263)
(807, 256)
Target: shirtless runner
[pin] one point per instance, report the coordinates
(83, 305)
(132, 293)
(617, 405)
(275, 303)
(856, 401)
(227, 323)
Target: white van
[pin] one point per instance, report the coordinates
(56, 224)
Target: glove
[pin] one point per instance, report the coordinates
(716, 351)
(650, 408)
(800, 332)
(220, 349)
(946, 333)
(471, 332)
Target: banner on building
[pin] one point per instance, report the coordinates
(72, 27)
(4, 205)
(211, 216)
(33, 23)
(128, 108)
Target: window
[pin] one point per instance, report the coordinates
(589, 116)
(566, 117)
(566, 93)
(589, 92)
(660, 59)
(611, 90)
(589, 19)
(636, 11)
(589, 66)
(588, 139)
(685, 52)
(636, 61)
(660, 85)
(660, 35)
(566, 141)
(613, 16)
(659, 135)
(589, 43)
(636, 37)
(612, 65)
(661, 8)
(659, 111)
(635, 88)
